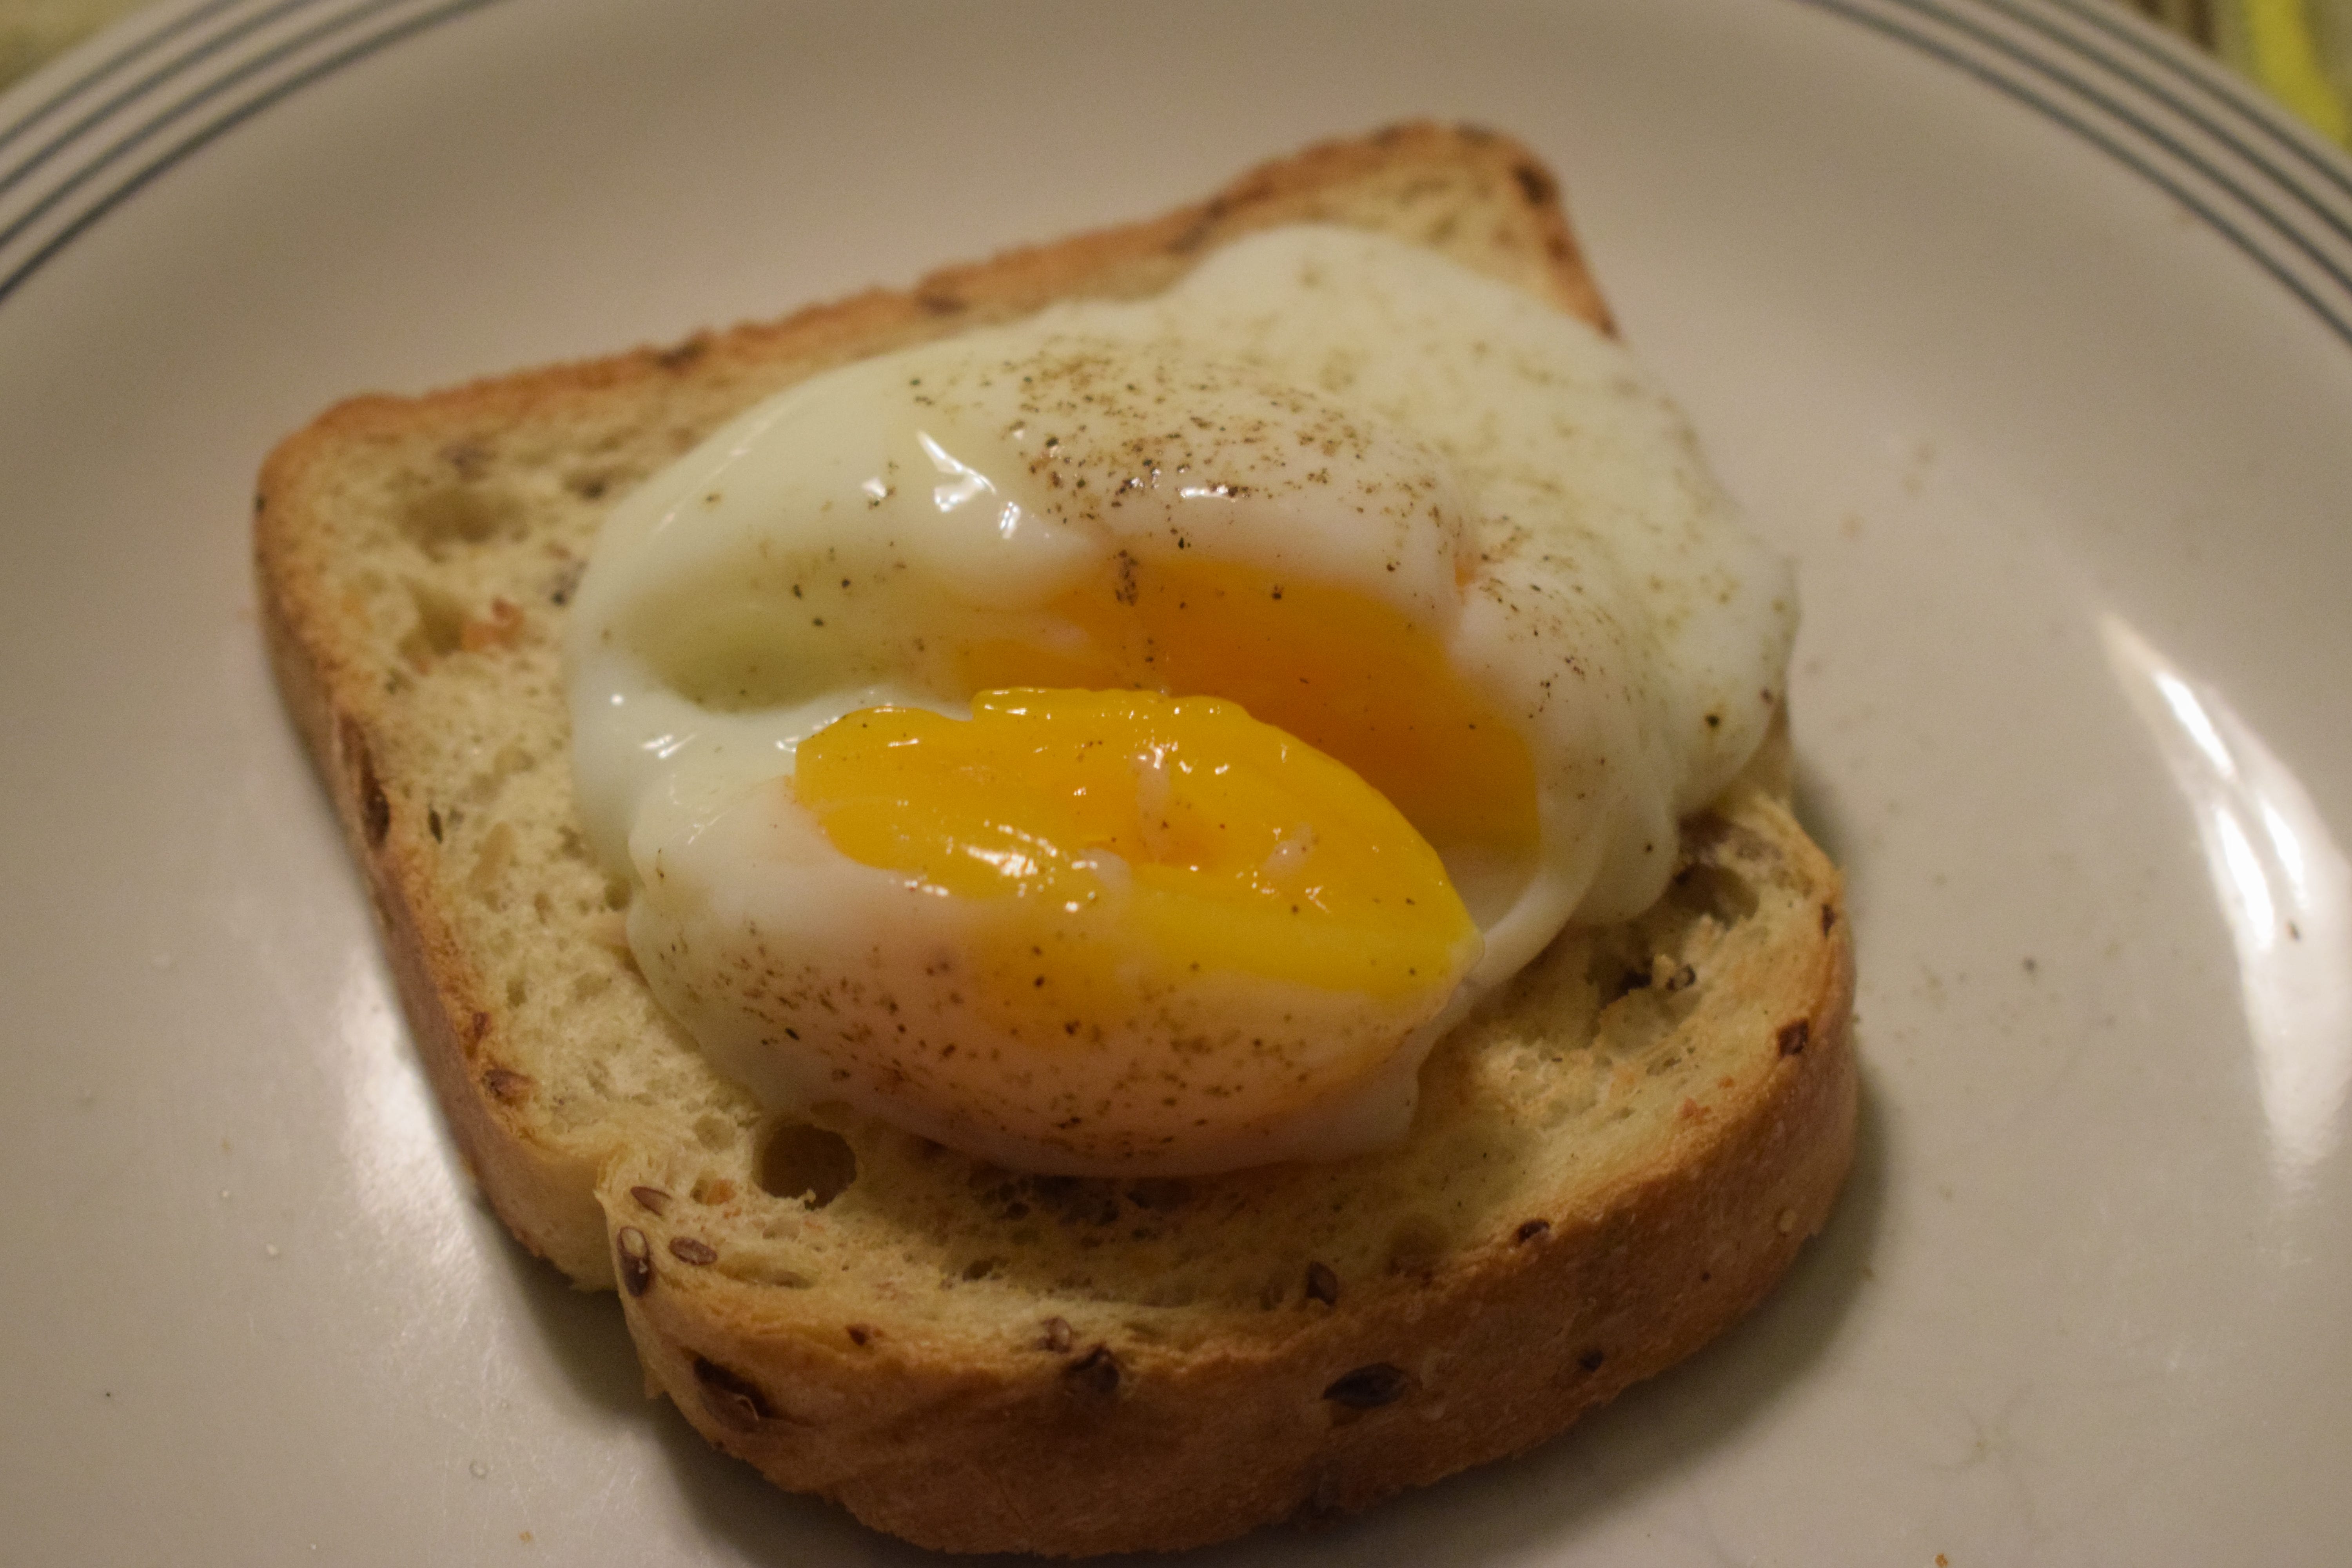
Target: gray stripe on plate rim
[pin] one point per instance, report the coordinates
(240, 70)
(2333, 307)
(2036, 19)
(2242, 98)
(127, 54)
(269, 94)
(127, 98)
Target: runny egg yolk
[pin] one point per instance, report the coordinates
(1218, 843)
(1352, 677)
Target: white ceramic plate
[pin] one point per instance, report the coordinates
(2029, 335)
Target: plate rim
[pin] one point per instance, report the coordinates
(75, 143)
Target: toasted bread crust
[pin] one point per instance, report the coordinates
(1022, 1425)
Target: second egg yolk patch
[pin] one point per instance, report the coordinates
(1352, 677)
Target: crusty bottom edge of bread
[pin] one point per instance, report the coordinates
(1616, 1157)
(1108, 1442)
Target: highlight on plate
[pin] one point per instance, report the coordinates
(1125, 741)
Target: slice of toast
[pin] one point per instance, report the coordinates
(1614, 1158)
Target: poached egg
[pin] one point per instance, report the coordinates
(1123, 741)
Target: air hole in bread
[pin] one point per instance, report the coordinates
(608, 930)
(1632, 1026)
(710, 1191)
(458, 513)
(1614, 972)
(491, 862)
(807, 1162)
(440, 623)
(508, 762)
(1707, 890)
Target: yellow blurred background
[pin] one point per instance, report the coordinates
(2301, 50)
(33, 31)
